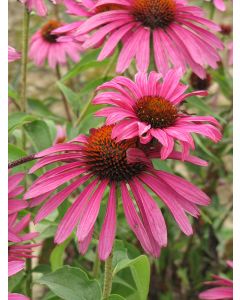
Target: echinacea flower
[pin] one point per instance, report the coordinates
(44, 46)
(38, 5)
(13, 54)
(223, 289)
(148, 108)
(180, 34)
(19, 250)
(105, 165)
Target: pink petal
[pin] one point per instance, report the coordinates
(107, 234)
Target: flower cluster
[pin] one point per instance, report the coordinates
(145, 119)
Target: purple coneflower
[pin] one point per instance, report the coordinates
(148, 108)
(44, 46)
(135, 23)
(107, 166)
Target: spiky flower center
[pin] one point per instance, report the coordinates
(154, 13)
(48, 28)
(107, 159)
(156, 111)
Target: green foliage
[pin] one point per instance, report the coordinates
(72, 284)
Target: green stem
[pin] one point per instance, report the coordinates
(96, 266)
(25, 37)
(29, 277)
(65, 102)
(212, 12)
(108, 277)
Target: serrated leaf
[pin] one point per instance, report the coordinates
(71, 283)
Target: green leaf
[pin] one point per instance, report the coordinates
(204, 107)
(72, 98)
(18, 119)
(140, 269)
(57, 255)
(15, 153)
(12, 93)
(116, 297)
(71, 283)
(39, 134)
(222, 78)
(93, 84)
(205, 150)
(89, 61)
(40, 108)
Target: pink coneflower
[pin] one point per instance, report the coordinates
(148, 108)
(135, 23)
(13, 54)
(223, 289)
(44, 46)
(104, 166)
(38, 5)
(19, 250)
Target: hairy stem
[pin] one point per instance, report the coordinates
(21, 161)
(108, 277)
(96, 266)
(25, 37)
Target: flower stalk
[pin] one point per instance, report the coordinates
(96, 266)
(108, 277)
(25, 38)
(21, 161)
